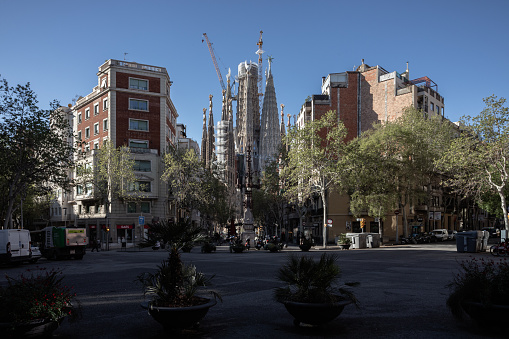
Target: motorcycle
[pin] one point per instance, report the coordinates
(258, 244)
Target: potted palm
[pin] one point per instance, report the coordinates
(173, 287)
(480, 290)
(35, 304)
(344, 242)
(312, 294)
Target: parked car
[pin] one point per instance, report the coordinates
(36, 254)
(440, 234)
(451, 234)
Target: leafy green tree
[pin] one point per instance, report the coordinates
(393, 165)
(477, 161)
(184, 172)
(113, 174)
(34, 147)
(312, 166)
(217, 202)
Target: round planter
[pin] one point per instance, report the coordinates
(305, 247)
(315, 313)
(344, 246)
(179, 317)
(237, 249)
(489, 317)
(39, 328)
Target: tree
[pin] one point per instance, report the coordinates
(217, 201)
(393, 165)
(183, 171)
(114, 176)
(477, 160)
(312, 162)
(34, 147)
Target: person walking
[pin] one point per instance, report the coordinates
(97, 245)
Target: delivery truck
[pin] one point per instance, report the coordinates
(64, 243)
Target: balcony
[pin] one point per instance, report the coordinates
(140, 150)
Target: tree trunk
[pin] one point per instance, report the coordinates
(504, 209)
(324, 200)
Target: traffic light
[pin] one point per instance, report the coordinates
(363, 223)
(107, 229)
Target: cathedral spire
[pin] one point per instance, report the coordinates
(270, 136)
(204, 138)
(210, 138)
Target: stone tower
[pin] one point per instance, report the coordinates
(270, 136)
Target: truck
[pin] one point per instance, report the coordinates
(64, 243)
(15, 246)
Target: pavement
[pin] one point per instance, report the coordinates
(402, 294)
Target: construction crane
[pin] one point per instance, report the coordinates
(211, 50)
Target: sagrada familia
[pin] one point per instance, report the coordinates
(239, 153)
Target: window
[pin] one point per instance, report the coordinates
(79, 118)
(138, 125)
(142, 165)
(88, 188)
(87, 132)
(87, 114)
(87, 148)
(105, 124)
(432, 106)
(96, 145)
(145, 206)
(140, 105)
(96, 128)
(131, 207)
(105, 104)
(79, 189)
(138, 143)
(138, 84)
(141, 186)
(79, 136)
(96, 109)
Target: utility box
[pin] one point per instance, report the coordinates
(470, 242)
(373, 240)
(358, 239)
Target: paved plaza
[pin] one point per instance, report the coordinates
(402, 294)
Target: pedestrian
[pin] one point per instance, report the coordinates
(97, 245)
(123, 243)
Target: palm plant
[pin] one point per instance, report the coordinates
(309, 281)
(175, 283)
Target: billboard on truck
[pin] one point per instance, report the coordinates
(62, 242)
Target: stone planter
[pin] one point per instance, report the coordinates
(39, 328)
(488, 317)
(237, 249)
(315, 313)
(344, 246)
(177, 318)
(305, 247)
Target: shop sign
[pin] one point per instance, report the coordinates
(124, 226)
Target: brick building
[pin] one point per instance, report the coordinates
(360, 98)
(131, 106)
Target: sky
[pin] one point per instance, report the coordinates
(58, 46)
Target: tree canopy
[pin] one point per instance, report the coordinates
(312, 165)
(476, 162)
(34, 147)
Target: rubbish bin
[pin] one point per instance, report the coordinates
(373, 240)
(358, 240)
(485, 237)
(468, 241)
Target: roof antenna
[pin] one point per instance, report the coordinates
(125, 55)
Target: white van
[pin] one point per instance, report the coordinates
(15, 246)
(440, 234)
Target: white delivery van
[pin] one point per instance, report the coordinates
(15, 246)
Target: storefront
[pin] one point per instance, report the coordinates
(125, 232)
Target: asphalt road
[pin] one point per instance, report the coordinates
(402, 293)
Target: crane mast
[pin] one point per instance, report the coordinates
(260, 72)
(209, 45)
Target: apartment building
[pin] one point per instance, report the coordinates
(130, 106)
(360, 98)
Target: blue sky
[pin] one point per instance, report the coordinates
(57, 46)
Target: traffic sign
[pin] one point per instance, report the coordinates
(329, 221)
(141, 220)
(396, 212)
